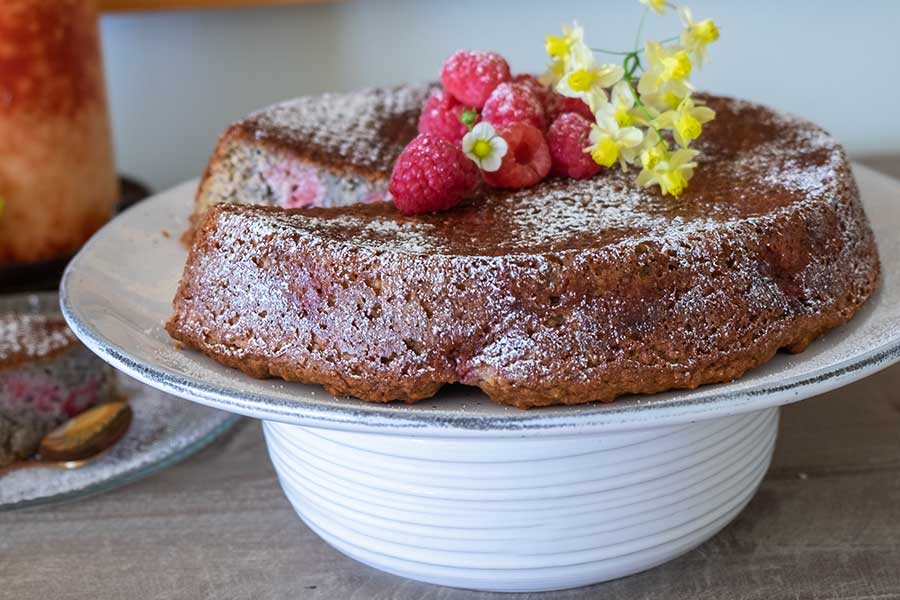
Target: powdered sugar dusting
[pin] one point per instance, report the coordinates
(511, 103)
(27, 337)
(572, 290)
(782, 160)
(361, 131)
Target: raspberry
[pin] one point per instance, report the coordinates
(513, 103)
(540, 90)
(527, 161)
(567, 139)
(471, 76)
(440, 116)
(557, 104)
(431, 174)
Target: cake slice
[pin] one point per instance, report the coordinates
(567, 292)
(333, 149)
(46, 378)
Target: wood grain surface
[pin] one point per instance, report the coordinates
(825, 524)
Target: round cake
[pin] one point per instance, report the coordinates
(46, 378)
(567, 292)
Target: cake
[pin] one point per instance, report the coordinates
(58, 182)
(310, 152)
(567, 292)
(46, 378)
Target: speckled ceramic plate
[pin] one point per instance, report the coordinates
(117, 292)
(164, 430)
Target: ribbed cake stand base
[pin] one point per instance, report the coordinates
(519, 514)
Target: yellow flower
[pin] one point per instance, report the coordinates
(555, 70)
(605, 151)
(671, 171)
(686, 121)
(610, 142)
(653, 149)
(657, 6)
(586, 80)
(622, 100)
(663, 100)
(667, 67)
(560, 49)
(697, 36)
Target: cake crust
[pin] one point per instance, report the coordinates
(564, 293)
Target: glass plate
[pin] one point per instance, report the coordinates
(164, 431)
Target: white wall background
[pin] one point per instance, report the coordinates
(176, 79)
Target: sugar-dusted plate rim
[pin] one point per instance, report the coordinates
(116, 295)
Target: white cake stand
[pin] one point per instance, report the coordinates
(459, 491)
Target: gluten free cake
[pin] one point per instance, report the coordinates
(570, 291)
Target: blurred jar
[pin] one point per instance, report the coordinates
(57, 175)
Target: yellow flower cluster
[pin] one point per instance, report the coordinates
(643, 106)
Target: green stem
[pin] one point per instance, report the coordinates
(636, 51)
(640, 30)
(604, 51)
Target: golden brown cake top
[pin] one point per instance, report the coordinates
(363, 132)
(754, 161)
(566, 292)
(26, 338)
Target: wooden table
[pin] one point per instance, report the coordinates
(825, 524)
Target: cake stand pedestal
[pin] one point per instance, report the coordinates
(523, 513)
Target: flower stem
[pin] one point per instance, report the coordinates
(636, 51)
(604, 51)
(640, 30)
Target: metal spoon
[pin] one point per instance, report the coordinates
(81, 439)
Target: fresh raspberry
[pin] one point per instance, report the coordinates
(527, 160)
(567, 139)
(440, 116)
(471, 76)
(540, 90)
(513, 103)
(557, 104)
(431, 174)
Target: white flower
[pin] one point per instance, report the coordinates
(484, 146)
(610, 142)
